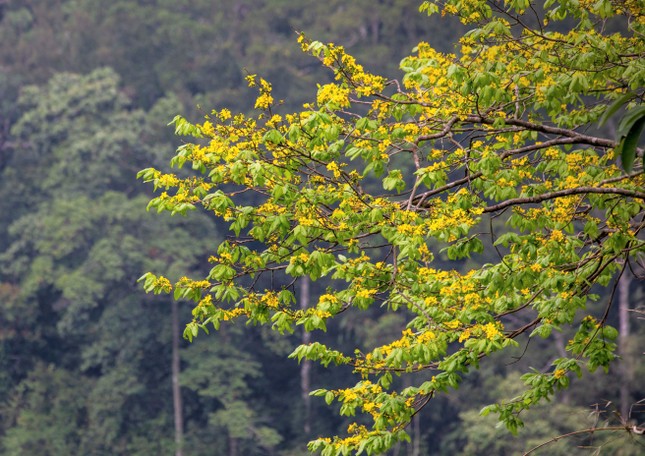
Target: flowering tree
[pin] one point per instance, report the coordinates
(494, 152)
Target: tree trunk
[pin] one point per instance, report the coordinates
(623, 340)
(305, 366)
(564, 395)
(416, 429)
(232, 446)
(176, 388)
(375, 25)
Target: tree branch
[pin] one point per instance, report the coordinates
(579, 137)
(565, 192)
(630, 430)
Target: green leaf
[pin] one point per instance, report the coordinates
(629, 119)
(615, 106)
(629, 144)
(273, 136)
(609, 332)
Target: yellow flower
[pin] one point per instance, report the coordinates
(452, 324)
(405, 229)
(270, 299)
(557, 236)
(491, 331)
(207, 128)
(206, 301)
(167, 180)
(328, 298)
(430, 301)
(465, 335)
(333, 95)
(426, 337)
(163, 283)
(263, 101)
(274, 120)
(333, 167)
(365, 293)
(250, 80)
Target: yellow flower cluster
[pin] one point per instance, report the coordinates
(206, 301)
(321, 313)
(265, 99)
(270, 299)
(557, 236)
(167, 181)
(346, 67)
(491, 331)
(207, 128)
(351, 441)
(333, 167)
(408, 229)
(465, 335)
(185, 282)
(450, 219)
(333, 95)
(164, 284)
(233, 313)
(431, 274)
(300, 258)
(365, 293)
(452, 324)
(274, 121)
(430, 301)
(564, 209)
(426, 336)
(270, 208)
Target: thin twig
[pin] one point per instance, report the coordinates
(630, 430)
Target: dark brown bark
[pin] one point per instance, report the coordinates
(565, 192)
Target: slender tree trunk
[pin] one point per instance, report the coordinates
(565, 395)
(623, 339)
(305, 366)
(375, 24)
(176, 388)
(416, 429)
(232, 446)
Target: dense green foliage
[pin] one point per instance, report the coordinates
(85, 355)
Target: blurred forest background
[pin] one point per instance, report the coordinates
(86, 358)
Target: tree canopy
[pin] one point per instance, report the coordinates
(478, 197)
(76, 238)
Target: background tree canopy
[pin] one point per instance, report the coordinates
(467, 216)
